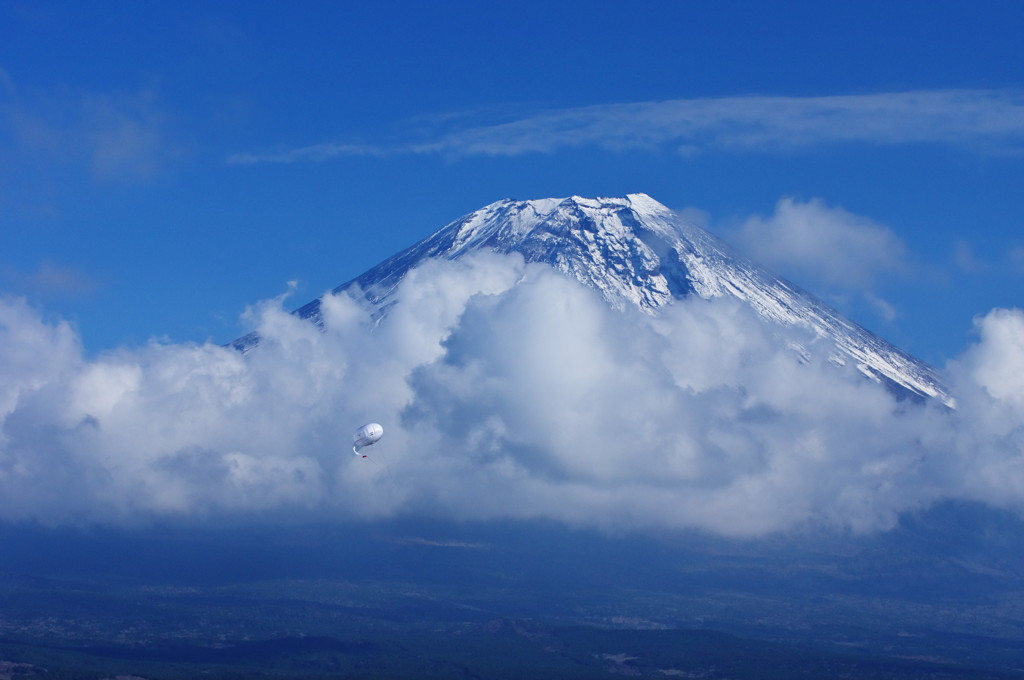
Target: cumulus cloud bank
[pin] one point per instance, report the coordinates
(505, 390)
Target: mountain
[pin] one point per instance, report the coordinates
(635, 251)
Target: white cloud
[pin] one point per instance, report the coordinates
(990, 379)
(986, 121)
(822, 244)
(825, 248)
(996, 363)
(505, 390)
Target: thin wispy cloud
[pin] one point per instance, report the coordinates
(49, 279)
(112, 137)
(986, 121)
(965, 259)
(1017, 259)
(315, 152)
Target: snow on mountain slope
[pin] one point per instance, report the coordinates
(635, 251)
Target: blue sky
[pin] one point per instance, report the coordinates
(166, 165)
(163, 165)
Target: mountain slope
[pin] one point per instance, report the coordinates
(636, 251)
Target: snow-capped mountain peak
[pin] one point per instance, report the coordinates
(635, 251)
